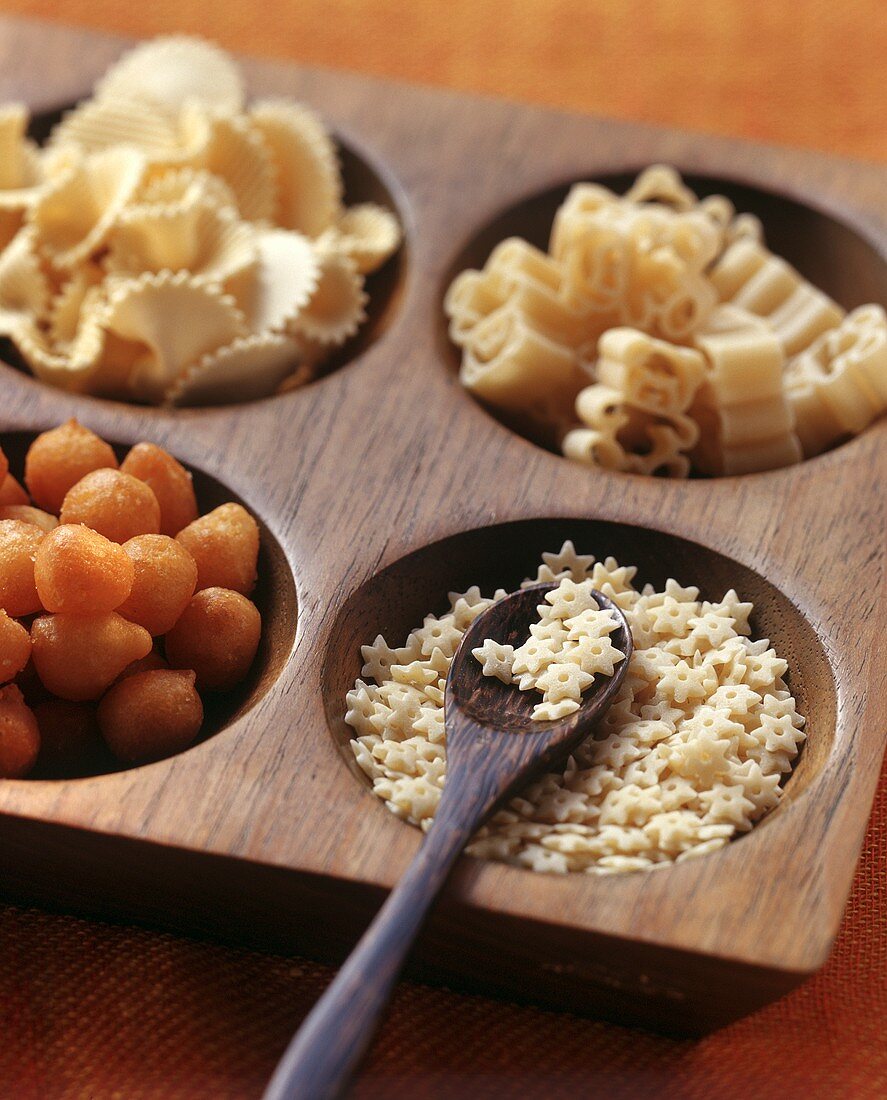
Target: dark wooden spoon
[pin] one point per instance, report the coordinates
(493, 749)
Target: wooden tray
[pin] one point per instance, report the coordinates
(265, 832)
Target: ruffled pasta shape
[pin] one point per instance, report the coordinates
(173, 71)
(309, 190)
(176, 320)
(367, 234)
(21, 173)
(164, 193)
(264, 361)
(73, 216)
(77, 296)
(236, 154)
(24, 288)
(188, 187)
(209, 242)
(100, 124)
(71, 367)
(336, 307)
(276, 290)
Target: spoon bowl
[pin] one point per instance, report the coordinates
(494, 748)
(489, 702)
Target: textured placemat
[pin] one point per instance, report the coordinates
(99, 1012)
(807, 73)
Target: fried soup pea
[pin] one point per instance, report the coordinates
(151, 715)
(117, 505)
(217, 636)
(78, 657)
(79, 572)
(59, 458)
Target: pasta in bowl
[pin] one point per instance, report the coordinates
(657, 333)
(173, 243)
(693, 752)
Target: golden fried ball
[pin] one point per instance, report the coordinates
(165, 577)
(225, 545)
(28, 514)
(170, 482)
(59, 458)
(80, 572)
(18, 548)
(77, 657)
(151, 715)
(19, 735)
(115, 504)
(12, 493)
(217, 636)
(15, 648)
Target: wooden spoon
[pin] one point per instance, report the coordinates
(493, 749)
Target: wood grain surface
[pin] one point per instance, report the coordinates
(263, 831)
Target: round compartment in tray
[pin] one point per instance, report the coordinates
(364, 182)
(274, 596)
(395, 601)
(834, 256)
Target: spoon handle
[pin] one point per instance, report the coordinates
(325, 1052)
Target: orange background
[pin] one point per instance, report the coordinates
(799, 72)
(91, 1012)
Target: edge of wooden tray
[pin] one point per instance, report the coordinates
(109, 818)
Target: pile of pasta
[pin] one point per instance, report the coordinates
(659, 335)
(120, 605)
(171, 244)
(568, 645)
(692, 751)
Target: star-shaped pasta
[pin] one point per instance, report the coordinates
(692, 751)
(439, 633)
(570, 598)
(595, 656)
(563, 680)
(566, 560)
(703, 759)
(497, 659)
(534, 656)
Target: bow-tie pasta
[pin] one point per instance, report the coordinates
(658, 335)
(173, 244)
(691, 753)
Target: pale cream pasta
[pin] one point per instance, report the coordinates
(692, 753)
(694, 349)
(173, 244)
(568, 645)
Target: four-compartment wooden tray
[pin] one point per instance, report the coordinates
(384, 485)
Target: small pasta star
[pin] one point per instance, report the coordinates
(496, 659)
(563, 681)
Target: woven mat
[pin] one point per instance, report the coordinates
(99, 1012)
(809, 72)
